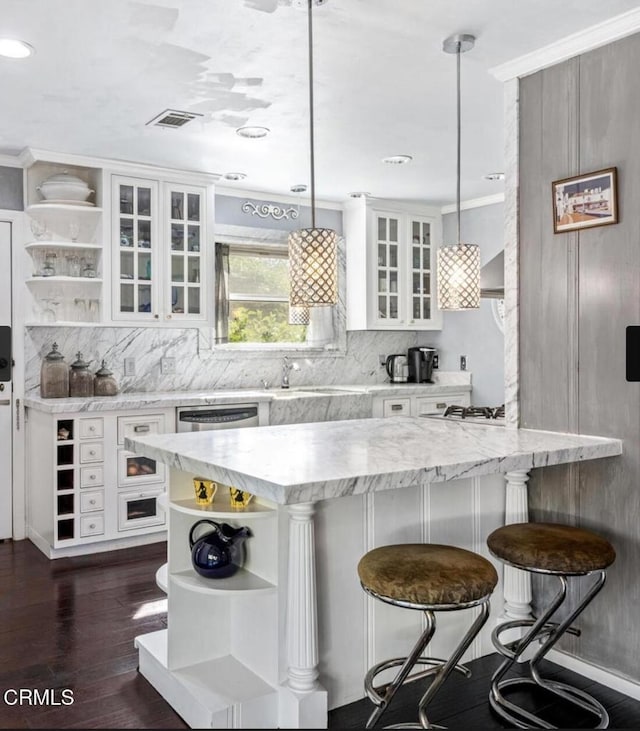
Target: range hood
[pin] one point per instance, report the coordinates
(492, 278)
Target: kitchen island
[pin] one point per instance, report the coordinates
(261, 649)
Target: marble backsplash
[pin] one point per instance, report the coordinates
(203, 369)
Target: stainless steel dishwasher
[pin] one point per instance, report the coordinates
(224, 416)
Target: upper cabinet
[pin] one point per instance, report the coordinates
(159, 253)
(391, 254)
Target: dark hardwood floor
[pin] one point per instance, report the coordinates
(70, 624)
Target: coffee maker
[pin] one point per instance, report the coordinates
(421, 364)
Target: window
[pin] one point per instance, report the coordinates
(253, 295)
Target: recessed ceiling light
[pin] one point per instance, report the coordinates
(12, 48)
(494, 176)
(253, 132)
(397, 159)
(359, 194)
(234, 176)
(299, 188)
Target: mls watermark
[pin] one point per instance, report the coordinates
(34, 697)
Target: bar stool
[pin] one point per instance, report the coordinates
(562, 551)
(430, 578)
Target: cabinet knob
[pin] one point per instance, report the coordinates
(92, 428)
(92, 526)
(92, 477)
(92, 502)
(168, 317)
(92, 452)
(155, 316)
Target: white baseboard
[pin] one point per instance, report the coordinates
(604, 677)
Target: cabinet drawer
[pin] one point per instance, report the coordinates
(91, 500)
(91, 476)
(438, 405)
(91, 452)
(133, 469)
(91, 525)
(139, 426)
(91, 428)
(396, 407)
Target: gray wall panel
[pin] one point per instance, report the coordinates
(11, 189)
(578, 293)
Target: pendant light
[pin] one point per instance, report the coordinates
(459, 264)
(313, 260)
(299, 314)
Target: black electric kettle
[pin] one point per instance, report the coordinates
(397, 368)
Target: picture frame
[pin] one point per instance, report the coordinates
(585, 201)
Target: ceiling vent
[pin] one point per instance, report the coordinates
(172, 119)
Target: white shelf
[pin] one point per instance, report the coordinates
(62, 208)
(64, 280)
(162, 577)
(221, 508)
(61, 245)
(242, 581)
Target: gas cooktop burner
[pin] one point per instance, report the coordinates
(485, 412)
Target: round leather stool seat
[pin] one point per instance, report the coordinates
(427, 574)
(551, 548)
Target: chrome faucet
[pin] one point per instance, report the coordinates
(286, 369)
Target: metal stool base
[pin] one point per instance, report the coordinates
(438, 668)
(547, 633)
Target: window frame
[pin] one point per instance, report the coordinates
(261, 237)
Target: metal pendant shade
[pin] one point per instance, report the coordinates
(458, 265)
(299, 315)
(313, 259)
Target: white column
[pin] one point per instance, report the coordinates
(303, 702)
(516, 583)
(302, 615)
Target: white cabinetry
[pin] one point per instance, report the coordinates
(417, 405)
(65, 272)
(85, 489)
(218, 661)
(391, 254)
(159, 231)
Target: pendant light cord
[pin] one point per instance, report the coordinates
(458, 141)
(311, 129)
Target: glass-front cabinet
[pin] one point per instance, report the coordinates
(391, 266)
(136, 247)
(185, 206)
(159, 236)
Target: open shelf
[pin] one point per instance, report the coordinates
(241, 581)
(221, 508)
(61, 245)
(162, 577)
(62, 207)
(65, 280)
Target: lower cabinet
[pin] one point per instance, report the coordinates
(85, 491)
(417, 405)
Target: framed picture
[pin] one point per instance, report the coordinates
(585, 201)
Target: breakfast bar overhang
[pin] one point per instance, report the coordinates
(274, 672)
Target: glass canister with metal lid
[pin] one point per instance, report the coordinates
(54, 375)
(81, 378)
(104, 384)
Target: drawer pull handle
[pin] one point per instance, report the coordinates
(396, 407)
(92, 526)
(92, 452)
(92, 502)
(141, 428)
(441, 405)
(92, 477)
(92, 428)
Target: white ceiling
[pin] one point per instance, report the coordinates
(383, 86)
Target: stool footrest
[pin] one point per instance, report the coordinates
(524, 719)
(508, 649)
(376, 693)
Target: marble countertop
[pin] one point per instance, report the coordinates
(164, 399)
(316, 461)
